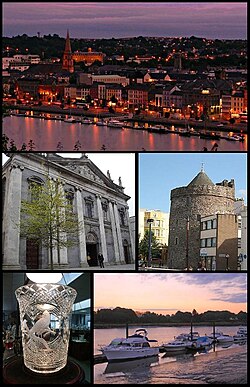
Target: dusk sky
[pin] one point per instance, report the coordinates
(166, 293)
(105, 20)
(159, 173)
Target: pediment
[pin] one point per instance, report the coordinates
(85, 170)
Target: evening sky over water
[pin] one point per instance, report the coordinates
(105, 20)
(167, 293)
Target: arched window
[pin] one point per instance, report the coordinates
(105, 209)
(34, 181)
(89, 207)
(69, 194)
(122, 216)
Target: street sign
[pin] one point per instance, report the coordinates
(203, 252)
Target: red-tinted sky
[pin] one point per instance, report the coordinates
(105, 20)
(167, 293)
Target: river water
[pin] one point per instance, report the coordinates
(220, 365)
(47, 133)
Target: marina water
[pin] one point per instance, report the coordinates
(47, 133)
(221, 364)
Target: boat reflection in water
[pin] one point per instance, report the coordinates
(132, 366)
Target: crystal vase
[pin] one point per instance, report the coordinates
(44, 316)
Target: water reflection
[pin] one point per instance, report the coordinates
(46, 134)
(132, 366)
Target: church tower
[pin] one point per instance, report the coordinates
(67, 56)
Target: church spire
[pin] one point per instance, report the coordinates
(67, 45)
(67, 56)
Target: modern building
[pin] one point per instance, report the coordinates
(200, 198)
(132, 221)
(100, 205)
(241, 212)
(219, 242)
(243, 247)
(159, 227)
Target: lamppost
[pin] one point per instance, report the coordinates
(227, 258)
(150, 221)
(187, 234)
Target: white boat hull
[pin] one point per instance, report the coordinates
(174, 348)
(225, 339)
(129, 353)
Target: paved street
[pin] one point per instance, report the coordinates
(128, 267)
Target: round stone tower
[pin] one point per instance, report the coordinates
(201, 197)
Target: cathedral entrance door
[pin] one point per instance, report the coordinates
(92, 252)
(32, 254)
(126, 251)
(91, 246)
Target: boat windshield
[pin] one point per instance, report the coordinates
(117, 342)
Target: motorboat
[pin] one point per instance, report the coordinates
(177, 345)
(215, 335)
(101, 123)
(225, 339)
(157, 129)
(135, 346)
(240, 337)
(202, 342)
(184, 133)
(233, 138)
(131, 366)
(210, 135)
(242, 330)
(188, 336)
(115, 124)
(241, 334)
(69, 119)
(86, 120)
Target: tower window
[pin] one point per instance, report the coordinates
(176, 241)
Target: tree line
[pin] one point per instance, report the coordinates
(120, 315)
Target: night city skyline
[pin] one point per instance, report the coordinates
(106, 20)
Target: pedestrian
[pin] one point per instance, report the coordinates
(199, 268)
(214, 147)
(101, 260)
(89, 259)
(204, 149)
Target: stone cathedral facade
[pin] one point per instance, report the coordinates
(100, 205)
(201, 197)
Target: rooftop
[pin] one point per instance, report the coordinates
(201, 179)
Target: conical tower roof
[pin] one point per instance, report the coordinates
(201, 179)
(67, 45)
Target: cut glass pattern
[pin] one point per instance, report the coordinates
(44, 315)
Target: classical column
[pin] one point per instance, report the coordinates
(132, 241)
(119, 234)
(61, 258)
(12, 217)
(81, 236)
(102, 230)
(114, 233)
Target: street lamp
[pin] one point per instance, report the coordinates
(150, 221)
(187, 233)
(227, 258)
